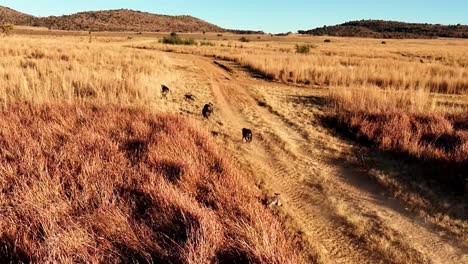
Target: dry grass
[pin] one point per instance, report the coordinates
(71, 69)
(408, 123)
(105, 184)
(383, 93)
(436, 65)
(84, 180)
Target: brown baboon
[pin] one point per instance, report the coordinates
(207, 110)
(164, 90)
(273, 201)
(189, 97)
(247, 135)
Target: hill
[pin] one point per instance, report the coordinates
(111, 20)
(8, 15)
(389, 29)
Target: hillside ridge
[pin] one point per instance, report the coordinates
(111, 20)
(389, 29)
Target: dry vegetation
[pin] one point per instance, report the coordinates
(390, 29)
(82, 180)
(111, 20)
(406, 123)
(391, 95)
(85, 183)
(41, 71)
(440, 66)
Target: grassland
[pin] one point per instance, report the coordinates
(437, 66)
(396, 95)
(90, 173)
(94, 169)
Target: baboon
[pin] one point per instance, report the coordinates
(207, 110)
(273, 201)
(164, 90)
(189, 97)
(247, 135)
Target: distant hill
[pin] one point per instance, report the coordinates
(8, 15)
(111, 20)
(389, 29)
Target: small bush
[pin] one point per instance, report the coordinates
(207, 43)
(37, 54)
(6, 28)
(327, 41)
(302, 49)
(173, 34)
(244, 39)
(175, 40)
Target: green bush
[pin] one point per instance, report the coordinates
(175, 40)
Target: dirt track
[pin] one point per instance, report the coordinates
(342, 215)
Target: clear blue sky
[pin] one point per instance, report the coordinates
(268, 15)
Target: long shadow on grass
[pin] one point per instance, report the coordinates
(439, 183)
(409, 179)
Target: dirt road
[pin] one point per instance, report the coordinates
(342, 215)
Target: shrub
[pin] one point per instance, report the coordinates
(244, 39)
(207, 43)
(6, 28)
(175, 40)
(327, 41)
(303, 49)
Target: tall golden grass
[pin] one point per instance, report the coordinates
(84, 180)
(112, 185)
(394, 95)
(408, 123)
(436, 65)
(72, 69)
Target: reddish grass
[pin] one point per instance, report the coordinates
(91, 184)
(438, 140)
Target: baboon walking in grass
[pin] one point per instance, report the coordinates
(247, 135)
(164, 91)
(273, 201)
(189, 97)
(207, 110)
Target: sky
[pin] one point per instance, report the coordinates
(271, 16)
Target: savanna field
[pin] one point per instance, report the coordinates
(365, 141)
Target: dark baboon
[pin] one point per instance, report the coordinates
(189, 97)
(207, 110)
(247, 135)
(164, 90)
